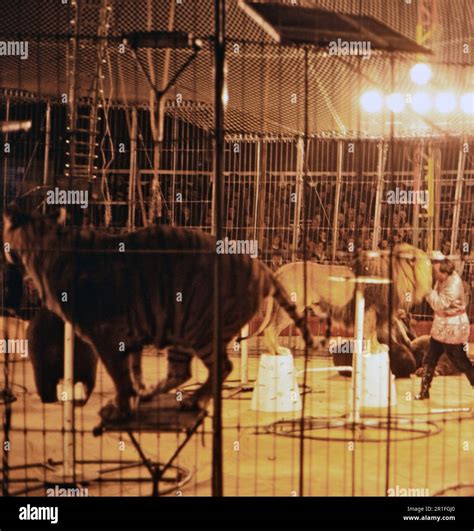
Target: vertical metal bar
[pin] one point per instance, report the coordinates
(47, 143)
(213, 201)
(417, 174)
(457, 197)
(5, 160)
(279, 152)
(337, 199)
(68, 404)
(382, 152)
(6, 426)
(133, 171)
(174, 147)
(157, 115)
(304, 188)
(258, 171)
(156, 118)
(219, 153)
(183, 146)
(72, 70)
(432, 223)
(358, 360)
(244, 356)
(300, 154)
(262, 167)
(390, 308)
(7, 414)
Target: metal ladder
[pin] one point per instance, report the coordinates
(89, 17)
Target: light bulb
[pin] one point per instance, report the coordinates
(420, 73)
(371, 101)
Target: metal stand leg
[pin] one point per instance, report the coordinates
(157, 471)
(244, 386)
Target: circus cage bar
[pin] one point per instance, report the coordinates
(307, 172)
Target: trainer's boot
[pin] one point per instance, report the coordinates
(426, 379)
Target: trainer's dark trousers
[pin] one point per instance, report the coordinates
(456, 353)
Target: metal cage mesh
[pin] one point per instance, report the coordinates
(351, 163)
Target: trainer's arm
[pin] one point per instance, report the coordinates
(449, 298)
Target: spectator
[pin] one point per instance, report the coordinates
(446, 247)
(319, 253)
(396, 238)
(277, 243)
(359, 221)
(403, 216)
(323, 239)
(407, 233)
(277, 261)
(446, 229)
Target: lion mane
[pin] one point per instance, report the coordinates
(409, 269)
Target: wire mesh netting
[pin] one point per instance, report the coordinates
(307, 177)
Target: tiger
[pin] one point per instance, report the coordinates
(152, 286)
(44, 332)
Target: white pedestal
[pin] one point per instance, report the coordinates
(276, 388)
(376, 375)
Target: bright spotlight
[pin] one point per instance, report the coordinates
(467, 103)
(421, 102)
(371, 101)
(225, 96)
(420, 73)
(445, 102)
(395, 102)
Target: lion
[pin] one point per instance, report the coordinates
(328, 297)
(419, 347)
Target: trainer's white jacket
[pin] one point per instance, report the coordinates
(451, 323)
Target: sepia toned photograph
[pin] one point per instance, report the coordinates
(237, 263)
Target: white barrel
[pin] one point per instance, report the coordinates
(276, 388)
(376, 375)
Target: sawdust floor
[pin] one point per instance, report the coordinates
(431, 446)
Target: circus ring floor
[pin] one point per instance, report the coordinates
(261, 458)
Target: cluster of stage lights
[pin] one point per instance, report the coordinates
(422, 101)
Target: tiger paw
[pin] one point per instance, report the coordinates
(170, 382)
(146, 393)
(112, 413)
(194, 403)
(188, 404)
